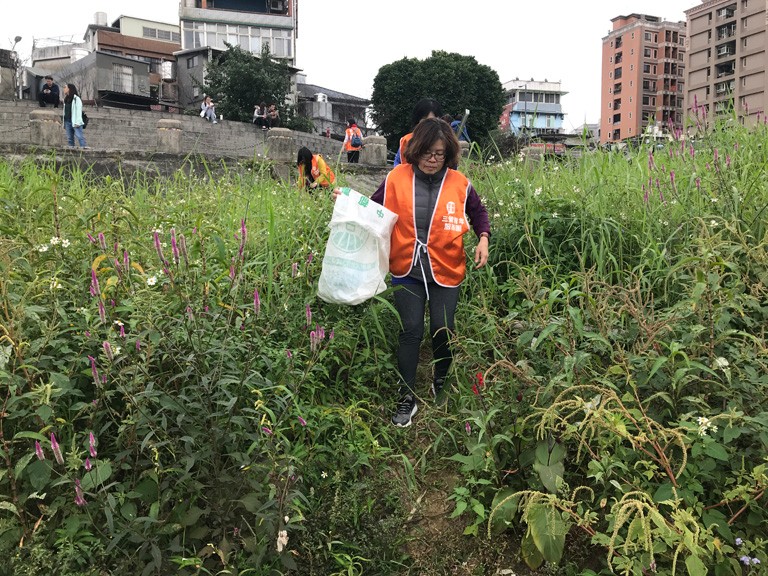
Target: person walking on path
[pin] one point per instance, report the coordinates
(73, 116)
(435, 205)
(353, 141)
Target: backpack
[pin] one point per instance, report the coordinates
(356, 140)
(85, 120)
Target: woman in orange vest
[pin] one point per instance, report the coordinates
(425, 108)
(352, 136)
(435, 206)
(313, 171)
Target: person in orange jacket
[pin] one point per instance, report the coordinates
(353, 142)
(313, 171)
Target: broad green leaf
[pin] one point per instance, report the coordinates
(99, 474)
(716, 450)
(503, 510)
(530, 553)
(549, 474)
(548, 531)
(695, 566)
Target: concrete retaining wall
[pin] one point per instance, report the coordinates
(26, 124)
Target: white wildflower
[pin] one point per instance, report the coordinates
(554, 214)
(721, 363)
(282, 540)
(55, 284)
(55, 240)
(537, 192)
(42, 248)
(713, 200)
(496, 215)
(713, 223)
(116, 350)
(65, 243)
(324, 474)
(152, 280)
(705, 425)
(118, 323)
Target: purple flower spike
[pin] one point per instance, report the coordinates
(468, 427)
(645, 194)
(266, 430)
(95, 288)
(126, 260)
(39, 451)
(102, 241)
(289, 354)
(256, 301)
(91, 239)
(94, 371)
(159, 247)
(88, 464)
(308, 312)
(302, 421)
(79, 497)
(92, 445)
(174, 246)
(102, 312)
(138, 345)
(107, 350)
(294, 269)
(56, 449)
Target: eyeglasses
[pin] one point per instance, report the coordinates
(436, 155)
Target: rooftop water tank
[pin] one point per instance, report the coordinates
(320, 97)
(100, 18)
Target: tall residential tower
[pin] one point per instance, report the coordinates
(642, 79)
(727, 58)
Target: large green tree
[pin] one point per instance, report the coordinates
(237, 81)
(458, 82)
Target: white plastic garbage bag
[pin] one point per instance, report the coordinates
(356, 258)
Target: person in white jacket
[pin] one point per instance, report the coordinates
(73, 116)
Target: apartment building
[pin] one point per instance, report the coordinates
(727, 58)
(642, 76)
(533, 106)
(246, 23)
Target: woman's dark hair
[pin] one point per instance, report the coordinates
(426, 134)
(351, 121)
(304, 158)
(447, 118)
(423, 108)
(72, 93)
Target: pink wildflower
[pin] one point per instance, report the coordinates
(56, 449)
(92, 444)
(79, 498)
(256, 301)
(39, 451)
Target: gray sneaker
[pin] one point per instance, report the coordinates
(406, 408)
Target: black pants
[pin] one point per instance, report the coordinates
(353, 156)
(49, 98)
(411, 302)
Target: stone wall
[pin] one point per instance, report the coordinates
(114, 129)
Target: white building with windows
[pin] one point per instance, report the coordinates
(244, 23)
(533, 106)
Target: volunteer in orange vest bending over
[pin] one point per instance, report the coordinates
(435, 206)
(313, 171)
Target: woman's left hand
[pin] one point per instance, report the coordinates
(481, 252)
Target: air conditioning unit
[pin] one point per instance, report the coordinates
(278, 6)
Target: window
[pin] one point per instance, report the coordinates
(149, 32)
(743, 42)
(647, 36)
(646, 52)
(122, 78)
(163, 34)
(193, 62)
(195, 91)
(631, 67)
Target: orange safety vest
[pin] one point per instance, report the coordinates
(403, 143)
(445, 244)
(321, 172)
(349, 133)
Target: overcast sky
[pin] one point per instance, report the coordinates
(342, 44)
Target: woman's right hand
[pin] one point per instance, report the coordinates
(336, 193)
